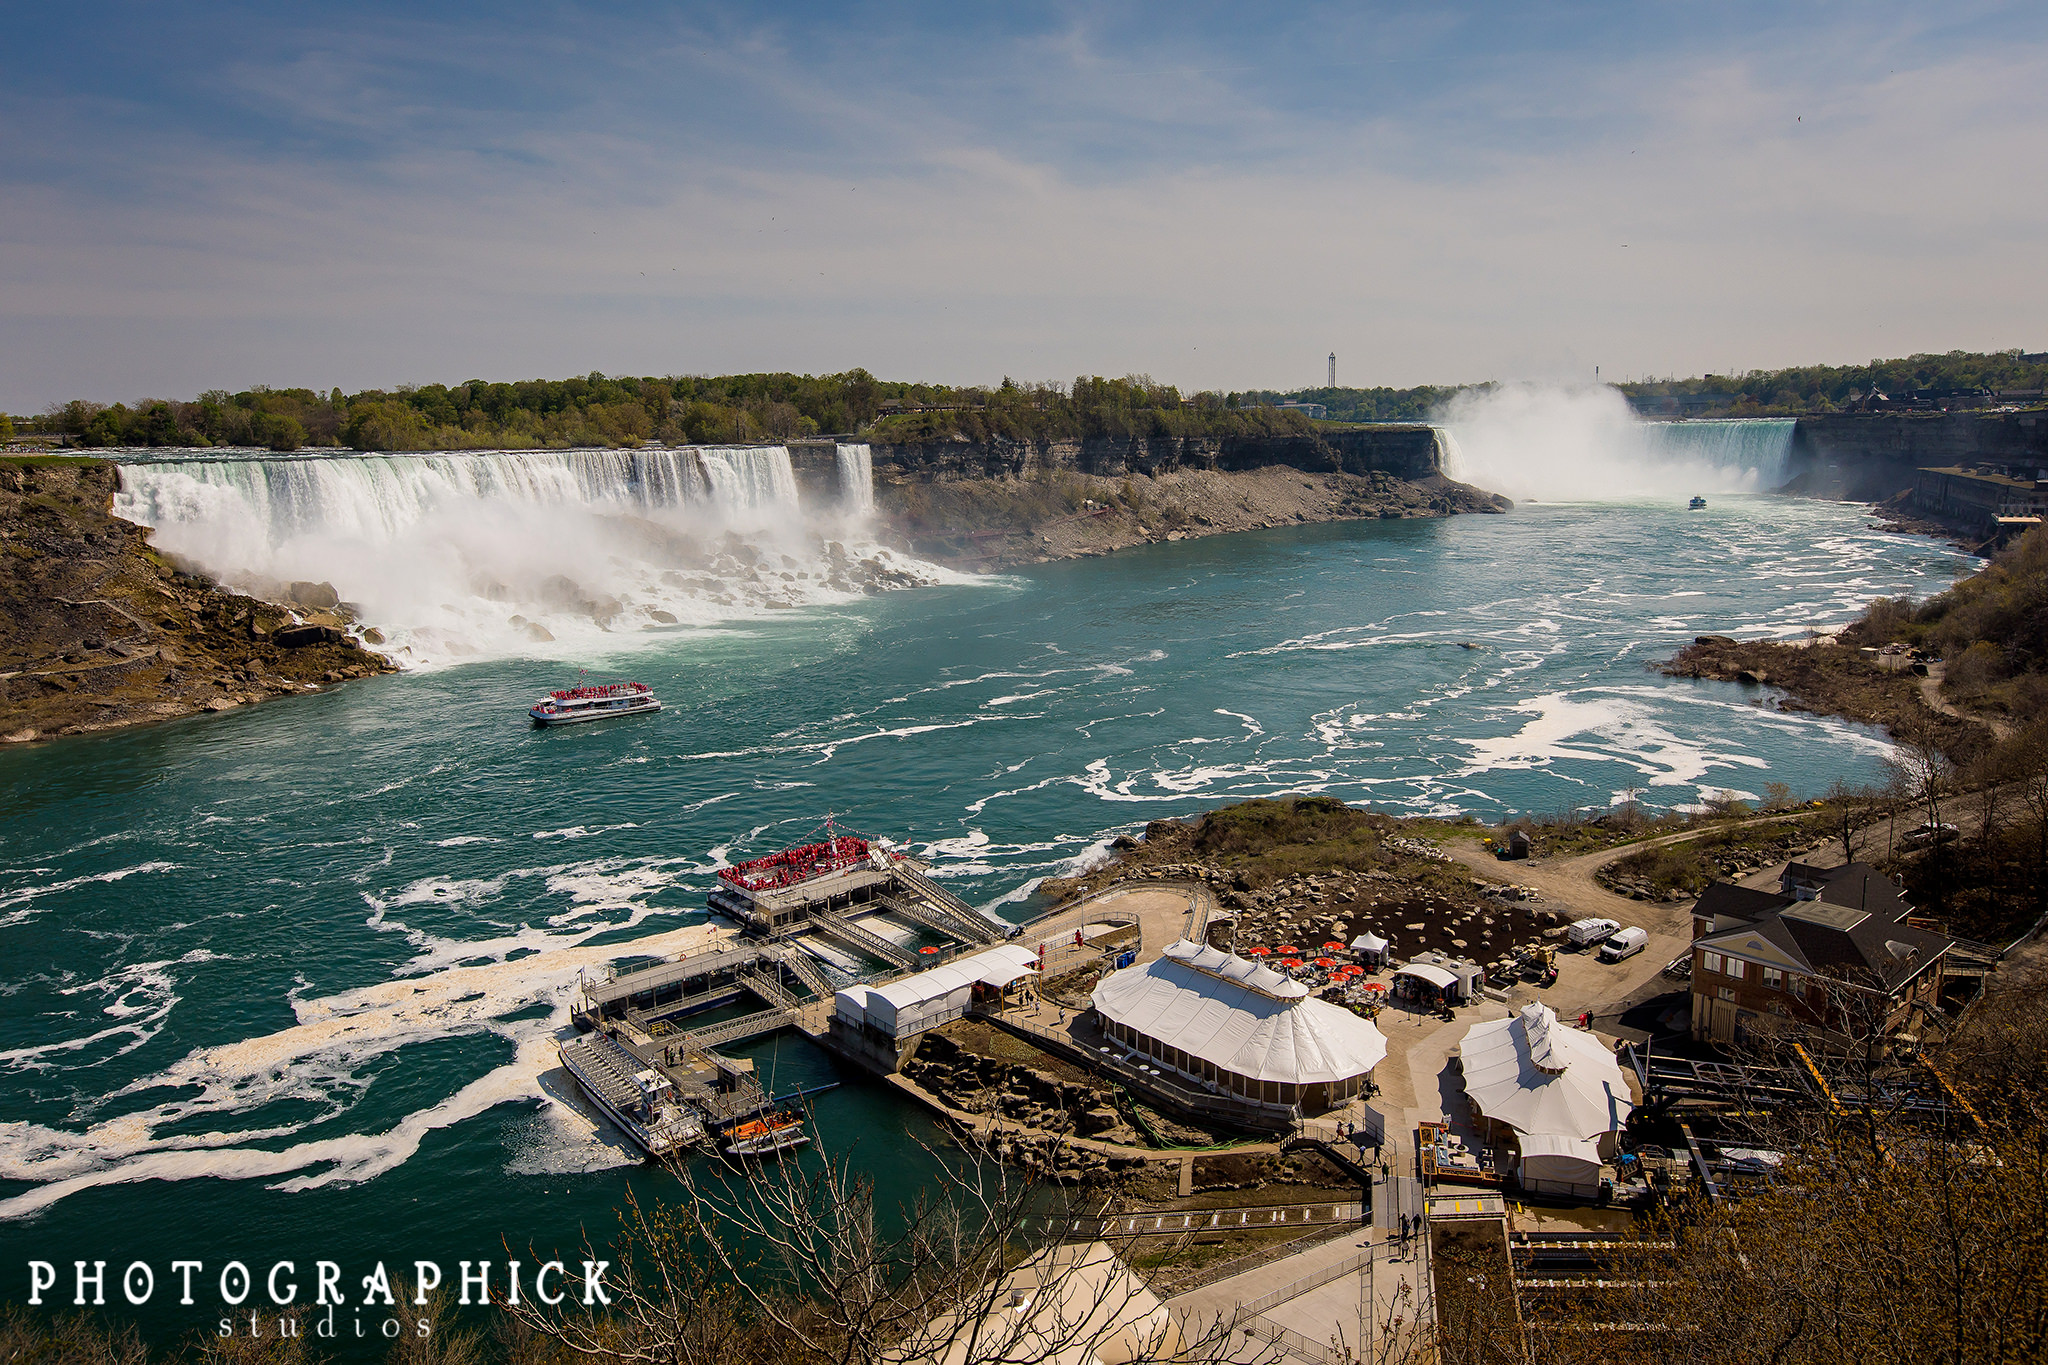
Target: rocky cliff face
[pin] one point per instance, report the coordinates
(987, 523)
(97, 631)
(1405, 452)
(1868, 457)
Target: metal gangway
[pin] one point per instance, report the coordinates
(943, 922)
(808, 972)
(965, 921)
(740, 1029)
(874, 945)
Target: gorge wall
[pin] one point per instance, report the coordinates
(1406, 452)
(1868, 457)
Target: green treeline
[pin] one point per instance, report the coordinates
(600, 410)
(1807, 389)
(1367, 405)
(597, 410)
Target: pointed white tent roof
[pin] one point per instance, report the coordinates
(1240, 1017)
(1369, 942)
(1539, 1077)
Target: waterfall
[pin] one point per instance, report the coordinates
(1562, 444)
(1755, 450)
(856, 479)
(459, 555)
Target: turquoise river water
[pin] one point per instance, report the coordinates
(221, 1036)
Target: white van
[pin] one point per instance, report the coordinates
(1587, 932)
(1627, 943)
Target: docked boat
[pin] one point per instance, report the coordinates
(598, 702)
(775, 1131)
(1696, 504)
(633, 1095)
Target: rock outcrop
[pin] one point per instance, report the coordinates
(98, 631)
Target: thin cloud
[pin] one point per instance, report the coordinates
(1056, 197)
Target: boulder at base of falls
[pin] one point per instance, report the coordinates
(319, 596)
(298, 637)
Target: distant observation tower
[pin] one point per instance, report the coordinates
(1333, 369)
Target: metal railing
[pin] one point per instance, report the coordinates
(1328, 1274)
(768, 986)
(939, 921)
(1293, 1343)
(972, 922)
(746, 1026)
(807, 972)
(874, 945)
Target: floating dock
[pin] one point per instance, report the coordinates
(843, 899)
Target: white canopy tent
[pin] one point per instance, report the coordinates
(1536, 1076)
(1245, 1028)
(936, 995)
(1553, 1164)
(1369, 942)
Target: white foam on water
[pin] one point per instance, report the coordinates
(316, 1060)
(26, 896)
(140, 997)
(1610, 730)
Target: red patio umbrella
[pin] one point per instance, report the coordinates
(1333, 947)
(1288, 950)
(1326, 962)
(1292, 964)
(928, 952)
(1258, 952)
(1375, 986)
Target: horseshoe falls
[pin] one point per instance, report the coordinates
(1550, 444)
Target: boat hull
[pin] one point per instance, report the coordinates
(545, 719)
(768, 1145)
(653, 1143)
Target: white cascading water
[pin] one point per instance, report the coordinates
(1585, 445)
(461, 556)
(856, 480)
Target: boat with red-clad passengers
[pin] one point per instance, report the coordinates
(598, 702)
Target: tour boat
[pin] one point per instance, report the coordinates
(773, 1132)
(1697, 503)
(594, 703)
(632, 1094)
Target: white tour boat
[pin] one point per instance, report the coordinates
(632, 1094)
(599, 702)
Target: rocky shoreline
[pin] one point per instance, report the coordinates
(99, 632)
(1831, 677)
(995, 523)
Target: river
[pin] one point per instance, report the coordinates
(226, 1026)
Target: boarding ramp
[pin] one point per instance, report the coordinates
(944, 922)
(859, 939)
(969, 923)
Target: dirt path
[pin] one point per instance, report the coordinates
(1930, 692)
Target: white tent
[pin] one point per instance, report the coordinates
(1232, 1017)
(1553, 1164)
(1002, 964)
(851, 1005)
(1368, 942)
(1538, 1077)
(1435, 976)
(936, 995)
(926, 1000)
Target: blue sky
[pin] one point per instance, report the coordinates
(216, 195)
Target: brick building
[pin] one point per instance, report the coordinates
(1833, 949)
